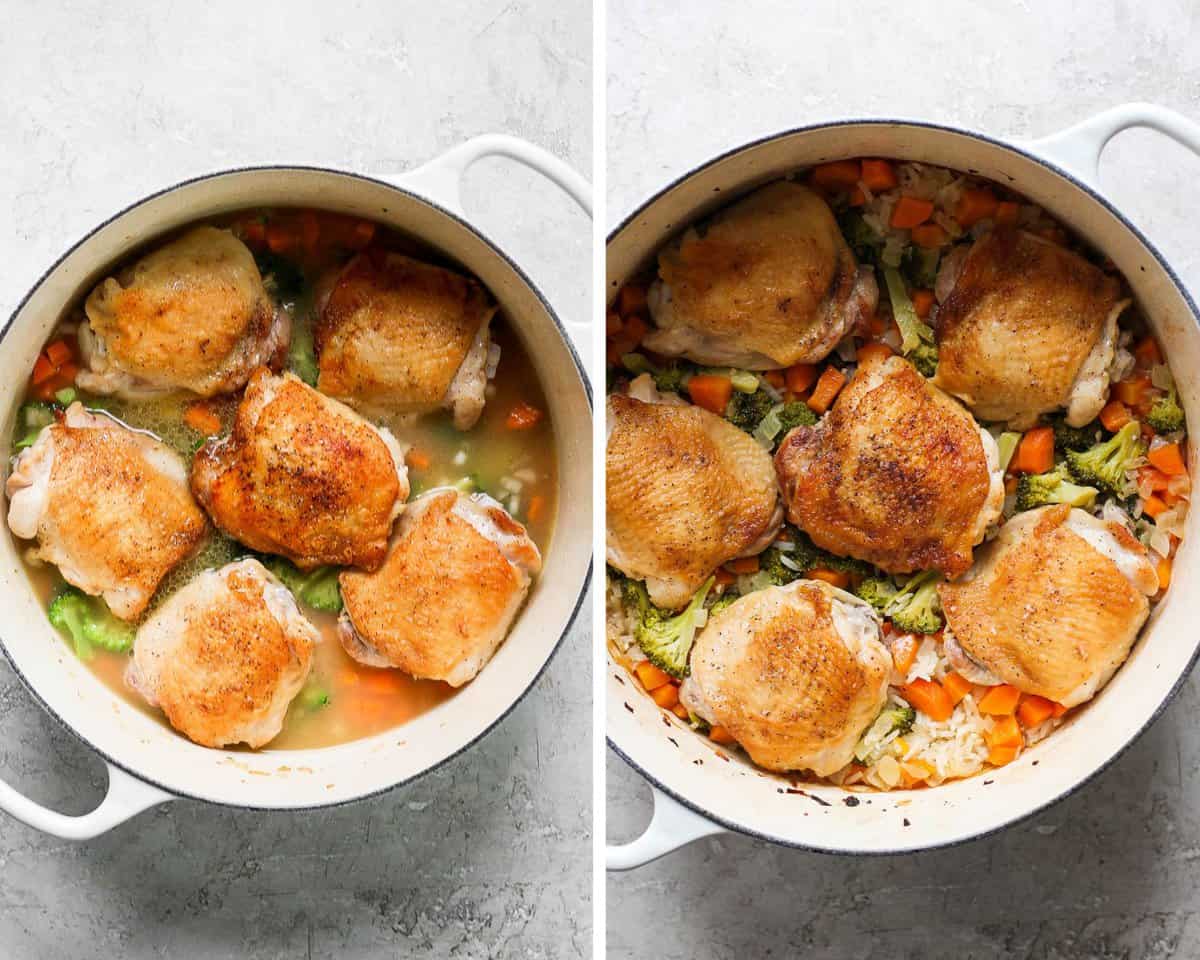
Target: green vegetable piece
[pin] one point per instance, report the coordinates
(37, 415)
(743, 381)
(302, 356)
(666, 640)
(1007, 443)
(89, 623)
(317, 588)
(916, 608)
(1104, 465)
(878, 592)
(1166, 416)
(282, 276)
(1067, 437)
(314, 697)
(747, 410)
(920, 265)
(1039, 489)
(636, 364)
(916, 337)
(892, 719)
(778, 573)
(66, 396)
(781, 420)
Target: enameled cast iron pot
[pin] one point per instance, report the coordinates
(697, 792)
(147, 762)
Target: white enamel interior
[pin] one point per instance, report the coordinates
(738, 795)
(304, 778)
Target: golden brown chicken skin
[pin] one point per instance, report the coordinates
(768, 282)
(303, 476)
(191, 315)
(897, 474)
(795, 674)
(686, 491)
(1054, 603)
(1027, 327)
(404, 335)
(109, 506)
(456, 574)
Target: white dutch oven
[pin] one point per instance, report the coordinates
(698, 791)
(148, 763)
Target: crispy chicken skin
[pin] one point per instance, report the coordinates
(457, 572)
(304, 476)
(897, 474)
(768, 282)
(686, 491)
(109, 506)
(191, 315)
(224, 656)
(1025, 328)
(398, 333)
(794, 673)
(1053, 605)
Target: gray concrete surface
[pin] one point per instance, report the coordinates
(103, 102)
(1113, 871)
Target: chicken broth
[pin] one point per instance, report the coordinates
(509, 454)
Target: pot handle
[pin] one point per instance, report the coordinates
(672, 826)
(1078, 148)
(126, 797)
(440, 180)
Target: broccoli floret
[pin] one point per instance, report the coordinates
(920, 265)
(892, 719)
(916, 608)
(877, 591)
(666, 640)
(1104, 465)
(925, 358)
(860, 237)
(280, 275)
(770, 563)
(302, 355)
(1038, 489)
(724, 600)
(317, 588)
(795, 414)
(670, 379)
(808, 556)
(746, 410)
(1067, 437)
(916, 337)
(1166, 416)
(89, 623)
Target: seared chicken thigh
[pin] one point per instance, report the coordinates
(795, 674)
(456, 573)
(109, 506)
(224, 656)
(191, 315)
(1054, 603)
(303, 476)
(400, 334)
(897, 474)
(686, 491)
(768, 282)
(1026, 327)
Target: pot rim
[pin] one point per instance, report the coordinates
(1179, 286)
(584, 381)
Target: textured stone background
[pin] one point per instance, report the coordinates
(104, 102)
(1112, 872)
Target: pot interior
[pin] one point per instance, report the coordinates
(728, 787)
(301, 778)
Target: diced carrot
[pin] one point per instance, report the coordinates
(417, 459)
(612, 324)
(836, 578)
(928, 697)
(1035, 452)
(879, 175)
(1000, 701)
(742, 565)
(922, 301)
(1114, 416)
(537, 506)
(635, 331)
(723, 577)
(280, 237)
(829, 384)
(720, 735)
(1034, 710)
(800, 377)
(956, 686)
(775, 378)
(631, 299)
(1132, 391)
(65, 376)
(1006, 213)
(681, 711)
(838, 175)
(1000, 756)
(1006, 732)
(1168, 458)
(1152, 506)
(1147, 353)
(201, 418)
(309, 228)
(364, 233)
(1163, 568)
(857, 197)
(1060, 710)
(666, 696)
(383, 681)
(522, 417)
(58, 353)
(710, 391)
(916, 771)
(975, 205)
(869, 352)
(253, 233)
(904, 653)
(43, 369)
(1153, 479)
(878, 325)
(911, 212)
(930, 235)
(650, 676)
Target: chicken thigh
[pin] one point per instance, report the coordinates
(1054, 604)
(897, 474)
(796, 674)
(1026, 327)
(768, 282)
(457, 572)
(303, 476)
(686, 491)
(109, 506)
(224, 656)
(191, 315)
(403, 335)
